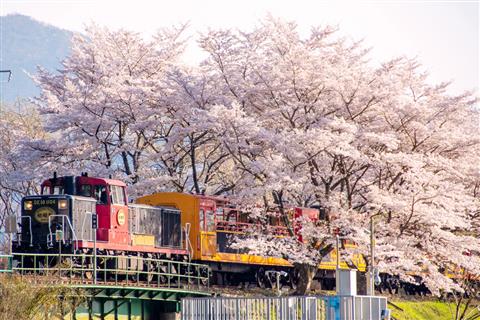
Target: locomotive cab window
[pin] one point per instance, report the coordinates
(101, 194)
(86, 190)
(45, 190)
(117, 196)
(58, 190)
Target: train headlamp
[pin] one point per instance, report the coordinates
(62, 204)
(28, 205)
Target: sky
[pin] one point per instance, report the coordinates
(443, 35)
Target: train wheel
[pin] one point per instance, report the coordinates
(293, 279)
(149, 276)
(205, 277)
(150, 269)
(162, 270)
(261, 278)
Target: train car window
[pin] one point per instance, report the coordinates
(86, 190)
(210, 221)
(219, 214)
(274, 221)
(243, 217)
(58, 190)
(322, 214)
(202, 219)
(101, 194)
(231, 216)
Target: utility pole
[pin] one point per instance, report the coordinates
(371, 285)
(59, 237)
(337, 265)
(374, 278)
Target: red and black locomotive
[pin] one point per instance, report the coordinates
(62, 215)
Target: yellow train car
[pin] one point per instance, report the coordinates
(210, 223)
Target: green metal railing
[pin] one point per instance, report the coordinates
(5, 263)
(110, 270)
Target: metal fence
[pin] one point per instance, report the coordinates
(285, 308)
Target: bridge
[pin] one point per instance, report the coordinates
(115, 287)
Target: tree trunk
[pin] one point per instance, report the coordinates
(305, 274)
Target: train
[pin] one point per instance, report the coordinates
(214, 221)
(66, 205)
(76, 214)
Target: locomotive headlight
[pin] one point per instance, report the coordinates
(62, 204)
(28, 205)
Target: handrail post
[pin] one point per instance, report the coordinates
(95, 257)
(178, 272)
(128, 264)
(198, 273)
(105, 270)
(169, 269)
(35, 268)
(116, 270)
(138, 268)
(59, 257)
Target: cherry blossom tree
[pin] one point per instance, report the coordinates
(128, 107)
(312, 121)
(108, 102)
(17, 124)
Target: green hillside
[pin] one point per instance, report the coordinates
(25, 44)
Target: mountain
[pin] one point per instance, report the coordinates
(25, 44)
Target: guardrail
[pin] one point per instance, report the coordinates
(286, 308)
(110, 270)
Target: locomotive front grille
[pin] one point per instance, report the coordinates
(42, 209)
(42, 212)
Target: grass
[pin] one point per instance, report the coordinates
(421, 310)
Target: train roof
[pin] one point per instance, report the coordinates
(87, 179)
